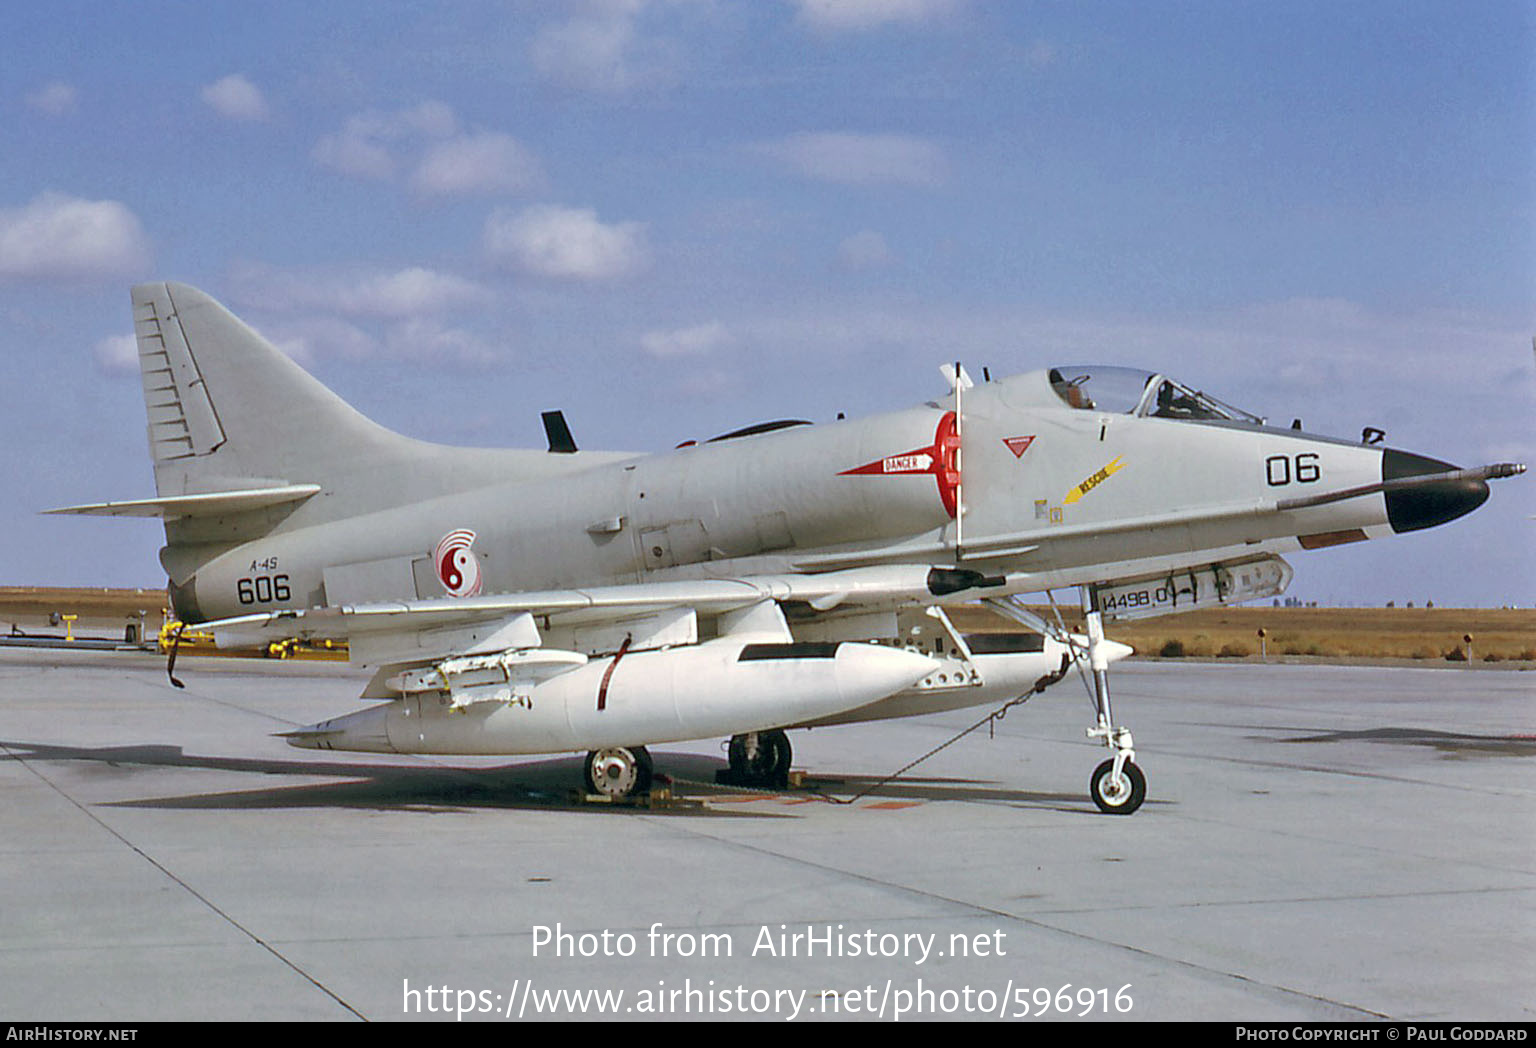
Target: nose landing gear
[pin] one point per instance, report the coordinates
(1117, 786)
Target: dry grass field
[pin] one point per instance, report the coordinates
(100, 612)
(1498, 634)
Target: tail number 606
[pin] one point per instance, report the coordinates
(263, 589)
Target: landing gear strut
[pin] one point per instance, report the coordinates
(758, 758)
(619, 771)
(1118, 787)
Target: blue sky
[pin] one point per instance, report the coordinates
(674, 217)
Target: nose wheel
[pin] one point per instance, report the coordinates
(1117, 792)
(619, 771)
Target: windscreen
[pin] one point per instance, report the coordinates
(1128, 391)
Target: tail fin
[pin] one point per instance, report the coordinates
(246, 443)
(228, 411)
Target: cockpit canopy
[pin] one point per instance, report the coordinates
(1144, 394)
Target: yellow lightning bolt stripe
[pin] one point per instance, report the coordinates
(1094, 481)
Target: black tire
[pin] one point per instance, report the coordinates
(618, 771)
(1121, 802)
(764, 764)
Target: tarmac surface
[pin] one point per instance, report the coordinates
(1319, 843)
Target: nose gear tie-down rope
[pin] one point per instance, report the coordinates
(990, 719)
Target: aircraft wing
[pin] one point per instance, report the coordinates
(413, 630)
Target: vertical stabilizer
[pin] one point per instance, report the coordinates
(228, 411)
(247, 444)
(231, 416)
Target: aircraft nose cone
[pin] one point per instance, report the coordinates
(1424, 507)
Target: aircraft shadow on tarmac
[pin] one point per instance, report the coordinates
(1450, 744)
(906, 788)
(535, 785)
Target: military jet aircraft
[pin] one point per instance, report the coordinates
(781, 576)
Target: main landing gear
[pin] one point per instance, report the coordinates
(758, 758)
(619, 771)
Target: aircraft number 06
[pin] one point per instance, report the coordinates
(263, 589)
(1278, 470)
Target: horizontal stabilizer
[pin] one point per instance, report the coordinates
(211, 504)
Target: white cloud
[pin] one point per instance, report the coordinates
(236, 98)
(55, 99)
(476, 163)
(603, 50)
(432, 119)
(585, 52)
(866, 249)
(357, 316)
(365, 146)
(842, 15)
(694, 341)
(427, 141)
(410, 292)
(118, 355)
(355, 150)
(565, 243)
(856, 159)
(62, 236)
(309, 339)
(423, 338)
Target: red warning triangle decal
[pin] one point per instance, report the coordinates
(1018, 445)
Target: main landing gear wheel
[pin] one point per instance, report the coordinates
(760, 758)
(619, 771)
(1118, 798)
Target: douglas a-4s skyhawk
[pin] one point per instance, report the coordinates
(783, 576)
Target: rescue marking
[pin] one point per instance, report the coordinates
(1094, 481)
